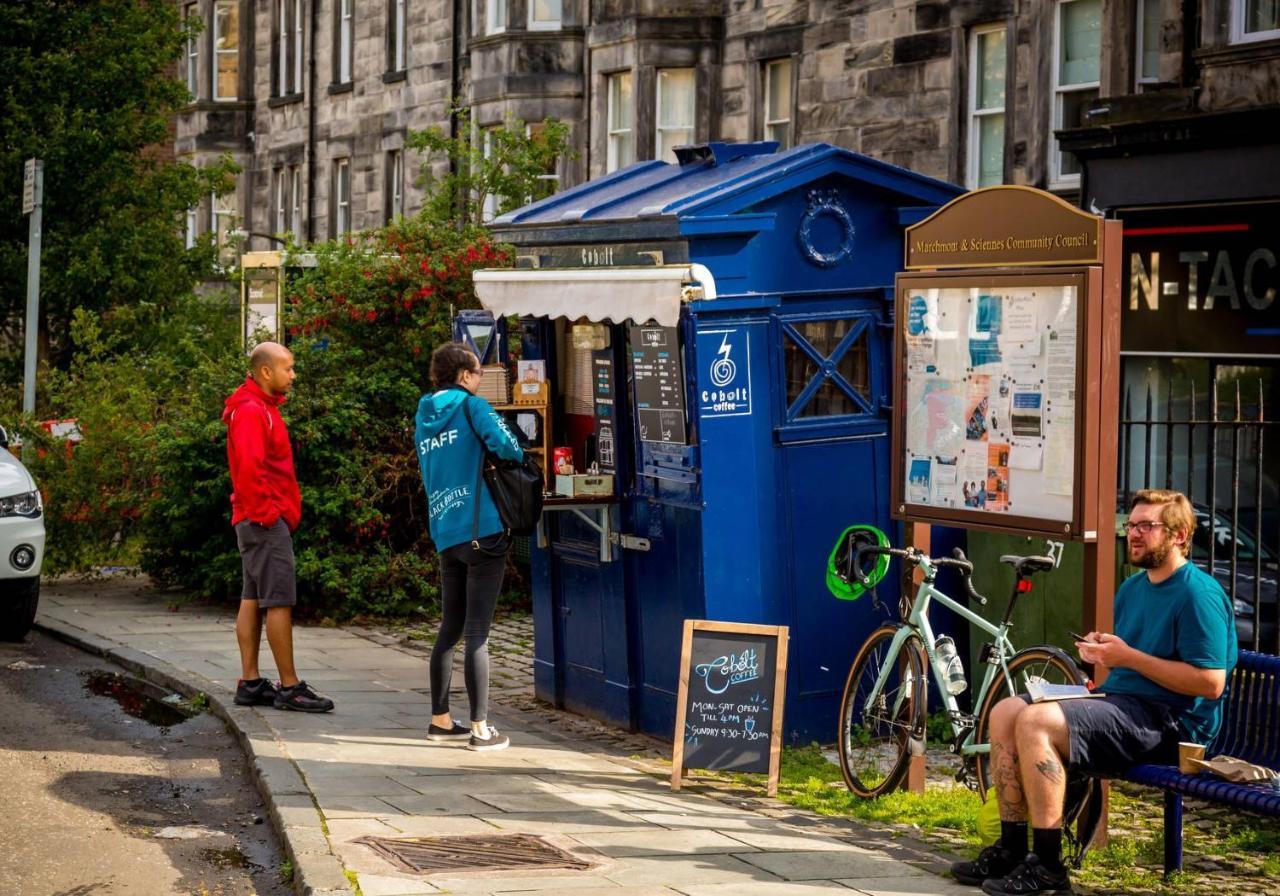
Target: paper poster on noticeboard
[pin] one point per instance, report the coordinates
(989, 398)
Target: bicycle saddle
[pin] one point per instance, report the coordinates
(1027, 564)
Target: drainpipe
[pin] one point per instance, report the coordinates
(311, 130)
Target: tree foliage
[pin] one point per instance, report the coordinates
(89, 88)
(509, 165)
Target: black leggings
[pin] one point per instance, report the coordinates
(470, 579)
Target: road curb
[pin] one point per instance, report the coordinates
(290, 803)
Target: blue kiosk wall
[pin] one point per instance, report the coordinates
(786, 378)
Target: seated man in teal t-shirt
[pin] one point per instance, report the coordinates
(1173, 649)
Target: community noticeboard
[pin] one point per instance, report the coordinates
(997, 375)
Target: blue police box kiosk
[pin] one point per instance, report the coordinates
(717, 336)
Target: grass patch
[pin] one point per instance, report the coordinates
(810, 781)
(285, 872)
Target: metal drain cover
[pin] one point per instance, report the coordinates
(496, 852)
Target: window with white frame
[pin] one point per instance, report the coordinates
(396, 56)
(226, 48)
(674, 113)
(192, 228)
(549, 179)
(489, 205)
(395, 184)
(295, 201)
(986, 106)
(341, 197)
(495, 16)
(223, 221)
(621, 122)
(346, 40)
(288, 47)
(1254, 20)
(1146, 51)
(1077, 49)
(192, 11)
(544, 15)
(778, 82)
(280, 199)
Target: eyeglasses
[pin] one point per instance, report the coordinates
(1143, 528)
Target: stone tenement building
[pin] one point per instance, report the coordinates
(314, 98)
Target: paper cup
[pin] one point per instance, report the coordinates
(1187, 752)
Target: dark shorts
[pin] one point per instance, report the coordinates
(1109, 735)
(266, 558)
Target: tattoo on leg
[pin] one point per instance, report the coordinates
(1008, 784)
(1052, 770)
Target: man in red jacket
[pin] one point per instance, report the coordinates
(266, 508)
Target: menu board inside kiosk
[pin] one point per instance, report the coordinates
(658, 381)
(990, 379)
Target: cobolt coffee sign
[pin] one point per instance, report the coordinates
(1202, 280)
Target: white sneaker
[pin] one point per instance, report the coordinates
(494, 741)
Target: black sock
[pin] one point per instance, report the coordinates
(1046, 843)
(1013, 838)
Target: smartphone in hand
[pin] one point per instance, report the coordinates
(1076, 635)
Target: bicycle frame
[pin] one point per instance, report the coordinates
(917, 623)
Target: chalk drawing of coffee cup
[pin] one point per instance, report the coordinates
(750, 725)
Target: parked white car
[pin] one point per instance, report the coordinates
(21, 545)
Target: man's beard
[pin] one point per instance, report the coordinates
(1153, 557)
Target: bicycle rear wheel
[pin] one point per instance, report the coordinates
(1047, 664)
(875, 736)
(1084, 795)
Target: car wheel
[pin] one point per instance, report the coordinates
(20, 614)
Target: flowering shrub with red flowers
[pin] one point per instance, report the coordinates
(362, 324)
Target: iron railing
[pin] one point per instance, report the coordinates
(1176, 447)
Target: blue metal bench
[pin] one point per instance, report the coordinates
(1250, 731)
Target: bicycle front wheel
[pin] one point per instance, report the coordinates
(1047, 664)
(875, 734)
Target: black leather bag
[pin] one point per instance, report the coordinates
(514, 485)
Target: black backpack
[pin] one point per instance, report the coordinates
(514, 485)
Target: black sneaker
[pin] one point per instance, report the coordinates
(457, 732)
(494, 741)
(994, 861)
(302, 699)
(259, 692)
(1032, 876)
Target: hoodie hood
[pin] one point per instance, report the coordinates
(437, 409)
(249, 391)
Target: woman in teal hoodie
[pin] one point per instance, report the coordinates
(454, 428)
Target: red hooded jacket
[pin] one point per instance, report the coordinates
(264, 487)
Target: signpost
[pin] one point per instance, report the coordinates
(32, 201)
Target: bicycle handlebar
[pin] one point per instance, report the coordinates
(957, 561)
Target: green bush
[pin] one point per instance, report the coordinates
(362, 325)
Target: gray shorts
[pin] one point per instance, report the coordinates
(266, 558)
(1109, 735)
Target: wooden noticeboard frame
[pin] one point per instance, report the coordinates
(1014, 237)
(1080, 523)
(781, 633)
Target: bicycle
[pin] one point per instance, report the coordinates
(883, 708)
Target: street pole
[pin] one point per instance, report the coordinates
(32, 202)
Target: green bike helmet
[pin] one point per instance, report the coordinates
(841, 581)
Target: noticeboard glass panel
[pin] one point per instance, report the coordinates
(990, 370)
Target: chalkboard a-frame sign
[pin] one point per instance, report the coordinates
(733, 681)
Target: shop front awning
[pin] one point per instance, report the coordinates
(598, 294)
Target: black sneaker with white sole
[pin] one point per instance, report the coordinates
(301, 698)
(259, 692)
(1031, 878)
(457, 732)
(494, 741)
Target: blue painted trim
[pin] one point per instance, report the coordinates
(724, 225)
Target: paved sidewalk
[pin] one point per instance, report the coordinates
(367, 770)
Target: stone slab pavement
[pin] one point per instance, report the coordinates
(367, 770)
